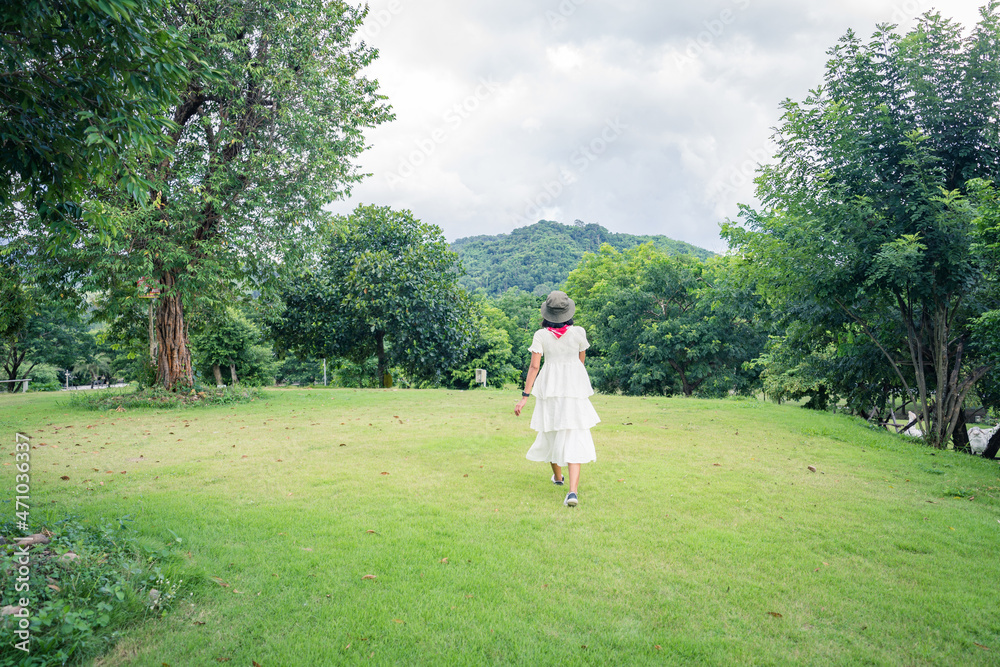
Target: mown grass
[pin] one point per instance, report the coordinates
(701, 537)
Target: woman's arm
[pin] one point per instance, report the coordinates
(583, 356)
(536, 362)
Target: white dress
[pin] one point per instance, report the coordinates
(563, 414)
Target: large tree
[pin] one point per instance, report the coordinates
(264, 135)
(864, 218)
(384, 286)
(84, 89)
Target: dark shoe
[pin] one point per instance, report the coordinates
(560, 482)
(571, 500)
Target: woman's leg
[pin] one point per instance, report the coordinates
(557, 471)
(574, 476)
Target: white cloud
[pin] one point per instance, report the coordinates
(504, 109)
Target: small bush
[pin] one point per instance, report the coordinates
(86, 586)
(158, 397)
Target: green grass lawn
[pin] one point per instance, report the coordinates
(701, 537)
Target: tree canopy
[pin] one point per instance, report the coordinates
(865, 228)
(664, 324)
(84, 89)
(384, 285)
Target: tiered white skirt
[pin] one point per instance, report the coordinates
(563, 421)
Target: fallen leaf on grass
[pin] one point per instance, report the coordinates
(198, 623)
(985, 648)
(444, 560)
(398, 620)
(657, 647)
(383, 473)
(370, 532)
(369, 576)
(717, 464)
(64, 477)
(219, 581)
(774, 613)
(811, 468)
(255, 663)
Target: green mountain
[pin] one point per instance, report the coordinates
(538, 258)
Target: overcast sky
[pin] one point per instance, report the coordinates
(646, 117)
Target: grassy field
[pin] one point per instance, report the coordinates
(406, 527)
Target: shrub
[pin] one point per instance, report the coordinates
(86, 586)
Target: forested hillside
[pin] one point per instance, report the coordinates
(538, 258)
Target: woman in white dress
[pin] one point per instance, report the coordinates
(563, 414)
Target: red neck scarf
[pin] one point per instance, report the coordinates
(560, 332)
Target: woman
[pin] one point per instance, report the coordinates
(563, 414)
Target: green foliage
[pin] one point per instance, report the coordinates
(986, 327)
(68, 123)
(301, 371)
(662, 324)
(81, 605)
(865, 229)
(523, 317)
(385, 285)
(44, 377)
(788, 373)
(158, 397)
(362, 374)
(227, 338)
(489, 350)
(40, 327)
(538, 258)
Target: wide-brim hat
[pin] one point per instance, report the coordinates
(558, 307)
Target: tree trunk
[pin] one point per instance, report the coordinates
(940, 357)
(14, 361)
(960, 435)
(993, 446)
(152, 332)
(232, 373)
(217, 372)
(380, 350)
(173, 364)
